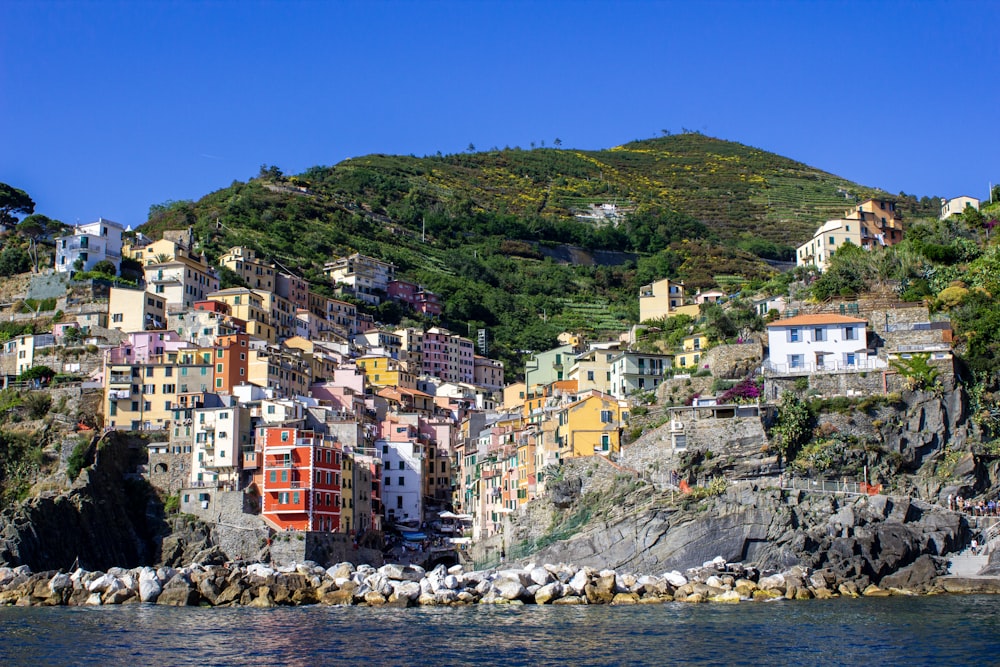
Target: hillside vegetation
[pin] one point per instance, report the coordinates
(479, 228)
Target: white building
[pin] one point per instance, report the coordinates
(90, 243)
(950, 207)
(402, 476)
(367, 277)
(219, 435)
(636, 371)
(820, 343)
(181, 282)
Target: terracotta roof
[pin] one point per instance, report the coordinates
(818, 318)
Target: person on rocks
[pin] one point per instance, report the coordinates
(951, 501)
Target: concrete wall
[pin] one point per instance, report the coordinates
(324, 548)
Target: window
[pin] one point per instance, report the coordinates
(605, 416)
(284, 475)
(849, 359)
(399, 502)
(819, 335)
(796, 361)
(295, 498)
(402, 466)
(590, 376)
(283, 498)
(794, 335)
(850, 333)
(388, 481)
(402, 481)
(284, 436)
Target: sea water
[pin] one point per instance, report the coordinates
(943, 630)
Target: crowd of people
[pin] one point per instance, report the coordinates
(974, 507)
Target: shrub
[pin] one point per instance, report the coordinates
(78, 458)
(38, 404)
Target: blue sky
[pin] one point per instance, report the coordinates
(108, 107)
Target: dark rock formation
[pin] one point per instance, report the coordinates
(860, 539)
(100, 523)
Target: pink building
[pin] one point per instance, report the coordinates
(415, 296)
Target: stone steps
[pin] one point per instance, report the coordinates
(966, 564)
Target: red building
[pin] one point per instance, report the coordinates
(299, 480)
(415, 296)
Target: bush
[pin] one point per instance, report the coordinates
(78, 458)
(38, 404)
(172, 504)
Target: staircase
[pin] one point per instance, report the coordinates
(966, 564)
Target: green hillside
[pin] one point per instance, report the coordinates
(476, 227)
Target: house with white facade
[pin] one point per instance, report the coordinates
(402, 471)
(368, 278)
(219, 436)
(637, 371)
(956, 205)
(819, 343)
(90, 243)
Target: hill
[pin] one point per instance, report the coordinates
(485, 230)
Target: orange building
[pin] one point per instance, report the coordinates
(300, 481)
(232, 354)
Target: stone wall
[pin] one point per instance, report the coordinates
(676, 390)
(735, 362)
(236, 529)
(327, 549)
(169, 473)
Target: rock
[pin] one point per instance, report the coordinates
(509, 589)
(540, 576)
(570, 599)
(625, 598)
(60, 582)
(602, 590)
(548, 593)
(178, 593)
(916, 576)
(848, 589)
(823, 593)
(374, 599)
(675, 578)
(579, 582)
(874, 591)
(726, 596)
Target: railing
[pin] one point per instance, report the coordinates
(826, 367)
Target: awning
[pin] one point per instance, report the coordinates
(447, 515)
(415, 537)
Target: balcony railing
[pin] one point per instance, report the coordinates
(810, 368)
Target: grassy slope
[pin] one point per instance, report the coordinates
(469, 204)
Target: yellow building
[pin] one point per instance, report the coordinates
(663, 298)
(591, 425)
(383, 371)
(255, 272)
(135, 310)
(692, 349)
(592, 369)
(250, 306)
(145, 396)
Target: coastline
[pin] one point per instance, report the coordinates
(260, 585)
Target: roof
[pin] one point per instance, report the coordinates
(819, 318)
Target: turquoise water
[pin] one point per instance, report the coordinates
(947, 630)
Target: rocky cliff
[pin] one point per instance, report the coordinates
(861, 539)
(100, 522)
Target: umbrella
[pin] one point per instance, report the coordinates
(447, 515)
(463, 517)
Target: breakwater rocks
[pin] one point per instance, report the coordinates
(259, 585)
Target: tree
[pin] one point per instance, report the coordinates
(557, 142)
(14, 202)
(793, 427)
(36, 227)
(105, 266)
